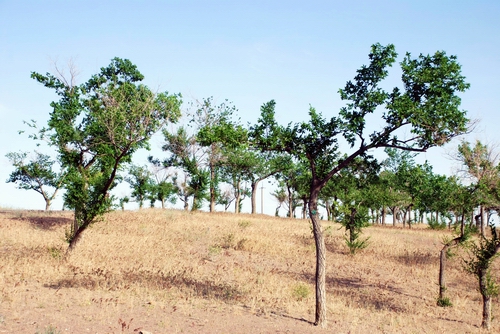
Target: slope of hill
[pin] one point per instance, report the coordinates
(169, 271)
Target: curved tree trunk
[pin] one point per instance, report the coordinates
(320, 318)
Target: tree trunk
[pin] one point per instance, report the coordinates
(237, 199)
(212, 187)
(47, 204)
(442, 266)
(483, 225)
(383, 215)
(254, 196)
(483, 287)
(320, 318)
(290, 203)
(394, 215)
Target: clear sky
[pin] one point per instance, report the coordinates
(298, 53)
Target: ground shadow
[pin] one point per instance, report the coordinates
(45, 222)
(102, 279)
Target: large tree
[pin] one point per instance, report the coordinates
(96, 127)
(425, 112)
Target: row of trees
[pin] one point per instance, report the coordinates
(96, 127)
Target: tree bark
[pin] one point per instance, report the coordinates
(483, 287)
(483, 222)
(254, 196)
(237, 199)
(320, 318)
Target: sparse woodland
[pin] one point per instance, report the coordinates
(375, 245)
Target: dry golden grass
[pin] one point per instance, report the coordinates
(169, 271)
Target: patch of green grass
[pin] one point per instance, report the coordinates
(300, 291)
(49, 330)
(444, 302)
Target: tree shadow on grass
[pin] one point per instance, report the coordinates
(44, 222)
(102, 279)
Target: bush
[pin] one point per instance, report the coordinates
(435, 225)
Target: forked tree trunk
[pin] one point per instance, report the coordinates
(320, 318)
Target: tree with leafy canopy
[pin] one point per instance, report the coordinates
(96, 127)
(238, 163)
(185, 154)
(36, 174)
(480, 168)
(140, 180)
(216, 130)
(422, 114)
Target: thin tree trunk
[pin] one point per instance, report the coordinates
(254, 196)
(483, 287)
(320, 317)
(442, 265)
(483, 225)
(237, 199)
(212, 186)
(383, 215)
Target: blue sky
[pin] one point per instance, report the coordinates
(298, 53)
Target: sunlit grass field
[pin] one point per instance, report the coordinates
(165, 262)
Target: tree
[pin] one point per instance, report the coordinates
(36, 174)
(481, 256)
(216, 131)
(427, 109)
(96, 127)
(480, 165)
(186, 155)
(141, 182)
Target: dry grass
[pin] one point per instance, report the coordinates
(172, 271)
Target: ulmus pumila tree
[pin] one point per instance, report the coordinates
(426, 109)
(96, 127)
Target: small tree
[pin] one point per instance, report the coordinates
(96, 127)
(36, 174)
(141, 182)
(481, 256)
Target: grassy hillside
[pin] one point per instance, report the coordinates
(177, 272)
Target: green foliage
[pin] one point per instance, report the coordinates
(444, 302)
(36, 174)
(141, 182)
(436, 225)
(96, 127)
(49, 330)
(300, 291)
(481, 255)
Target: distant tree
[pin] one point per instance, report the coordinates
(480, 167)
(217, 131)
(140, 180)
(185, 154)
(427, 109)
(36, 174)
(163, 189)
(239, 162)
(96, 127)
